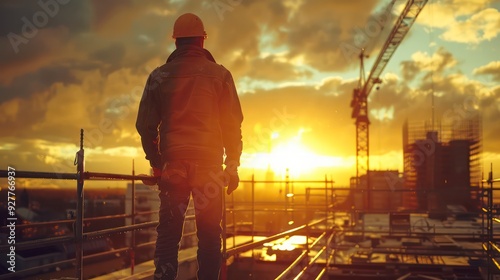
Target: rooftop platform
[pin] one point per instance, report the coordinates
(187, 264)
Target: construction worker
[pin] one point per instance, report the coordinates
(189, 121)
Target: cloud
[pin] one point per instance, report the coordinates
(82, 42)
(18, 16)
(440, 61)
(38, 155)
(444, 13)
(462, 21)
(491, 69)
(42, 51)
(482, 26)
(335, 86)
(327, 35)
(103, 107)
(34, 34)
(109, 37)
(36, 82)
(323, 34)
(273, 68)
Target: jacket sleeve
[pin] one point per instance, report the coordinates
(148, 120)
(231, 119)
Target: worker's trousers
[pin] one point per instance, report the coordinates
(205, 182)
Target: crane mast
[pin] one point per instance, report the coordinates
(359, 101)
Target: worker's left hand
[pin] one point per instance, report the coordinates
(232, 179)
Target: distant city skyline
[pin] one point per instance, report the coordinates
(67, 65)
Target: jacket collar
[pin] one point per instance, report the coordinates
(190, 51)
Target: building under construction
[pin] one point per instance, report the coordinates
(442, 164)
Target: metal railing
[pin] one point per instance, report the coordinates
(79, 236)
(291, 205)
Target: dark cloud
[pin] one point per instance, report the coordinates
(271, 69)
(330, 36)
(105, 11)
(111, 35)
(424, 65)
(314, 29)
(409, 70)
(114, 52)
(41, 51)
(36, 82)
(109, 58)
(34, 36)
(19, 16)
(66, 45)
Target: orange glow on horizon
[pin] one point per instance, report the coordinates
(291, 155)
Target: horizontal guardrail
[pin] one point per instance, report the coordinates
(304, 255)
(253, 245)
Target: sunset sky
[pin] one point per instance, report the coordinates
(67, 65)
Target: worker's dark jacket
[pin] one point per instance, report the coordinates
(191, 103)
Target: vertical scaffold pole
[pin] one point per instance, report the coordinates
(327, 204)
(490, 241)
(308, 194)
(223, 268)
(79, 209)
(132, 242)
(253, 213)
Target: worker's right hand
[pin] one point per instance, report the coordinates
(153, 180)
(232, 179)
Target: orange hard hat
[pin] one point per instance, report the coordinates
(188, 25)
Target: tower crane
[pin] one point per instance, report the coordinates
(359, 101)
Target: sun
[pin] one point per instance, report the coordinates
(290, 157)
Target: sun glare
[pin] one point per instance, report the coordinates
(290, 156)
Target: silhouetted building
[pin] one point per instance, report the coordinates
(442, 164)
(383, 193)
